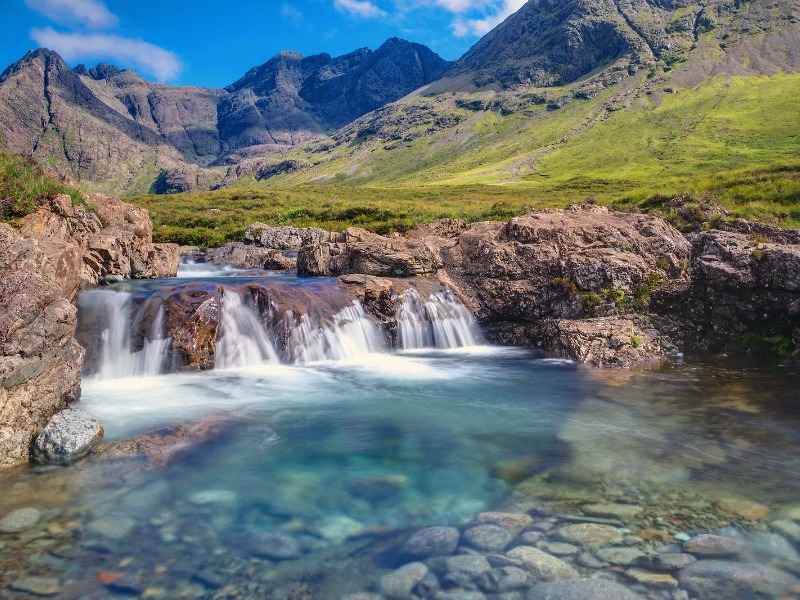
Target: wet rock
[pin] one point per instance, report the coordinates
(400, 584)
(623, 512)
(741, 509)
(514, 523)
(378, 487)
(245, 256)
(590, 535)
(68, 437)
(112, 527)
(656, 580)
(541, 565)
(558, 548)
(529, 538)
(488, 537)
(461, 595)
(581, 589)
(429, 586)
(213, 496)
(362, 596)
(265, 544)
(721, 580)
(619, 556)
(432, 541)
(20, 520)
(38, 586)
(667, 562)
(707, 544)
(285, 237)
(504, 579)
(338, 528)
(788, 529)
(463, 567)
(515, 470)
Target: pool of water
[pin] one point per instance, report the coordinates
(316, 471)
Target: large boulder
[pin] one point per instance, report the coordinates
(68, 437)
(284, 237)
(248, 256)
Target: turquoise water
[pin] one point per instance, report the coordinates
(340, 460)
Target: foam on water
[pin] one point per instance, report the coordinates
(439, 322)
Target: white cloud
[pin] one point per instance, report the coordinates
(360, 8)
(163, 64)
(292, 14)
(90, 13)
(463, 27)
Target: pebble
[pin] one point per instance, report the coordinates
(461, 595)
(590, 535)
(619, 556)
(504, 579)
(623, 512)
(741, 509)
(470, 565)
(488, 537)
(38, 586)
(432, 541)
(722, 580)
(379, 487)
(514, 523)
(400, 583)
(657, 580)
(558, 548)
(362, 596)
(667, 562)
(707, 544)
(337, 528)
(581, 589)
(529, 538)
(266, 544)
(787, 528)
(20, 520)
(213, 496)
(542, 565)
(113, 528)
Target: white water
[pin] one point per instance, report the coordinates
(440, 322)
(242, 340)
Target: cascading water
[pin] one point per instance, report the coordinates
(242, 340)
(439, 322)
(348, 334)
(117, 358)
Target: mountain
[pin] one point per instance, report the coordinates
(117, 131)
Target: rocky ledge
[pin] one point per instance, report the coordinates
(44, 262)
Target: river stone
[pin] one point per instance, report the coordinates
(213, 496)
(558, 548)
(400, 583)
(741, 509)
(707, 544)
(19, 520)
(581, 589)
(470, 565)
(504, 579)
(266, 544)
(379, 487)
(461, 595)
(619, 556)
(489, 538)
(514, 523)
(542, 565)
(657, 580)
(787, 528)
(667, 562)
(432, 541)
(38, 586)
(113, 528)
(68, 437)
(622, 512)
(590, 535)
(722, 579)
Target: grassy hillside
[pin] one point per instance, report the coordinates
(24, 186)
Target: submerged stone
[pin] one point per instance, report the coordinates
(20, 520)
(657, 580)
(400, 584)
(619, 556)
(542, 565)
(38, 586)
(741, 509)
(590, 535)
(622, 512)
(489, 538)
(68, 437)
(707, 544)
(514, 523)
(265, 544)
(431, 541)
(581, 589)
(722, 579)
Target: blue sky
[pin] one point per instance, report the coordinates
(209, 43)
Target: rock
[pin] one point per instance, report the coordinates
(581, 589)
(213, 496)
(266, 544)
(461, 595)
(338, 528)
(285, 238)
(112, 527)
(623, 512)
(20, 520)
(487, 537)
(38, 586)
(68, 437)
(514, 523)
(721, 580)
(504, 579)
(786, 528)
(557, 548)
(515, 470)
(619, 556)
(378, 487)
(707, 544)
(399, 584)
(246, 256)
(590, 535)
(455, 568)
(542, 565)
(432, 541)
(667, 562)
(362, 596)
(656, 580)
(741, 509)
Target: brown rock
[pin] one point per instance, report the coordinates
(741, 509)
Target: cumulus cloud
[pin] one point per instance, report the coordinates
(89, 13)
(463, 27)
(360, 8)
(149, 58)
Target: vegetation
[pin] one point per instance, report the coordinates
(24, 187)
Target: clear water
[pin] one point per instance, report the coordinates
(344, 456)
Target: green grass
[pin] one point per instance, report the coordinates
(24, 187)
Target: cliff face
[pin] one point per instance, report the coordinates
(52, 254)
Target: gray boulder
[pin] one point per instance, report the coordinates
(431, 541)
(581, 589)
(723, 579)
(285, 238)
(68, 437)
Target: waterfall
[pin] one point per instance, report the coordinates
(440, 322)
(242, 340)
(348, 334)
(117, 358)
